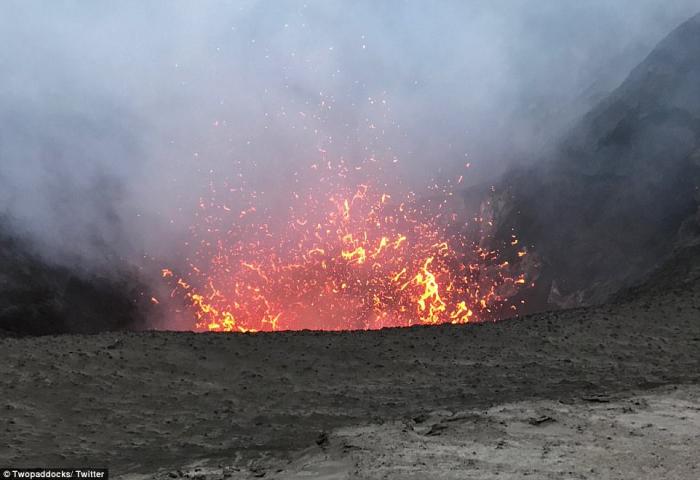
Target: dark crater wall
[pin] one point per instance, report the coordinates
(38, 297)
(621, 194)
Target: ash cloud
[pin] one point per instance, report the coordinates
(115, 117)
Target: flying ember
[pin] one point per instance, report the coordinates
(342, 255)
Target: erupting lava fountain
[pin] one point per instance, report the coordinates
(342, 255)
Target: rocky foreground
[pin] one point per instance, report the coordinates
(162, 403)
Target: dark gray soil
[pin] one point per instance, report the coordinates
(138, 402)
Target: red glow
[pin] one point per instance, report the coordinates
(340, 258)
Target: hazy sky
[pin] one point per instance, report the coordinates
(115, 114)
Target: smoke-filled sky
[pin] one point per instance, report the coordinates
(116, 115)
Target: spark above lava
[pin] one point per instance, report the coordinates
(340, 258)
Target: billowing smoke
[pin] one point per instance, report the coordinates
(116, 118)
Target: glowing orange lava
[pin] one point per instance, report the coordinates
(339, 258)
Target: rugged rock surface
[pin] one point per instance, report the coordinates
(624, 188)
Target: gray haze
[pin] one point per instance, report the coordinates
(116, 115)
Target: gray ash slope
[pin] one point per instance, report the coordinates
(621, 194)
(142, 402)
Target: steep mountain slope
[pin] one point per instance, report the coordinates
(623, 190)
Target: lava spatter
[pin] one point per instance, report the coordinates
(339, 258)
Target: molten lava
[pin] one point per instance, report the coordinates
(339, 258)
